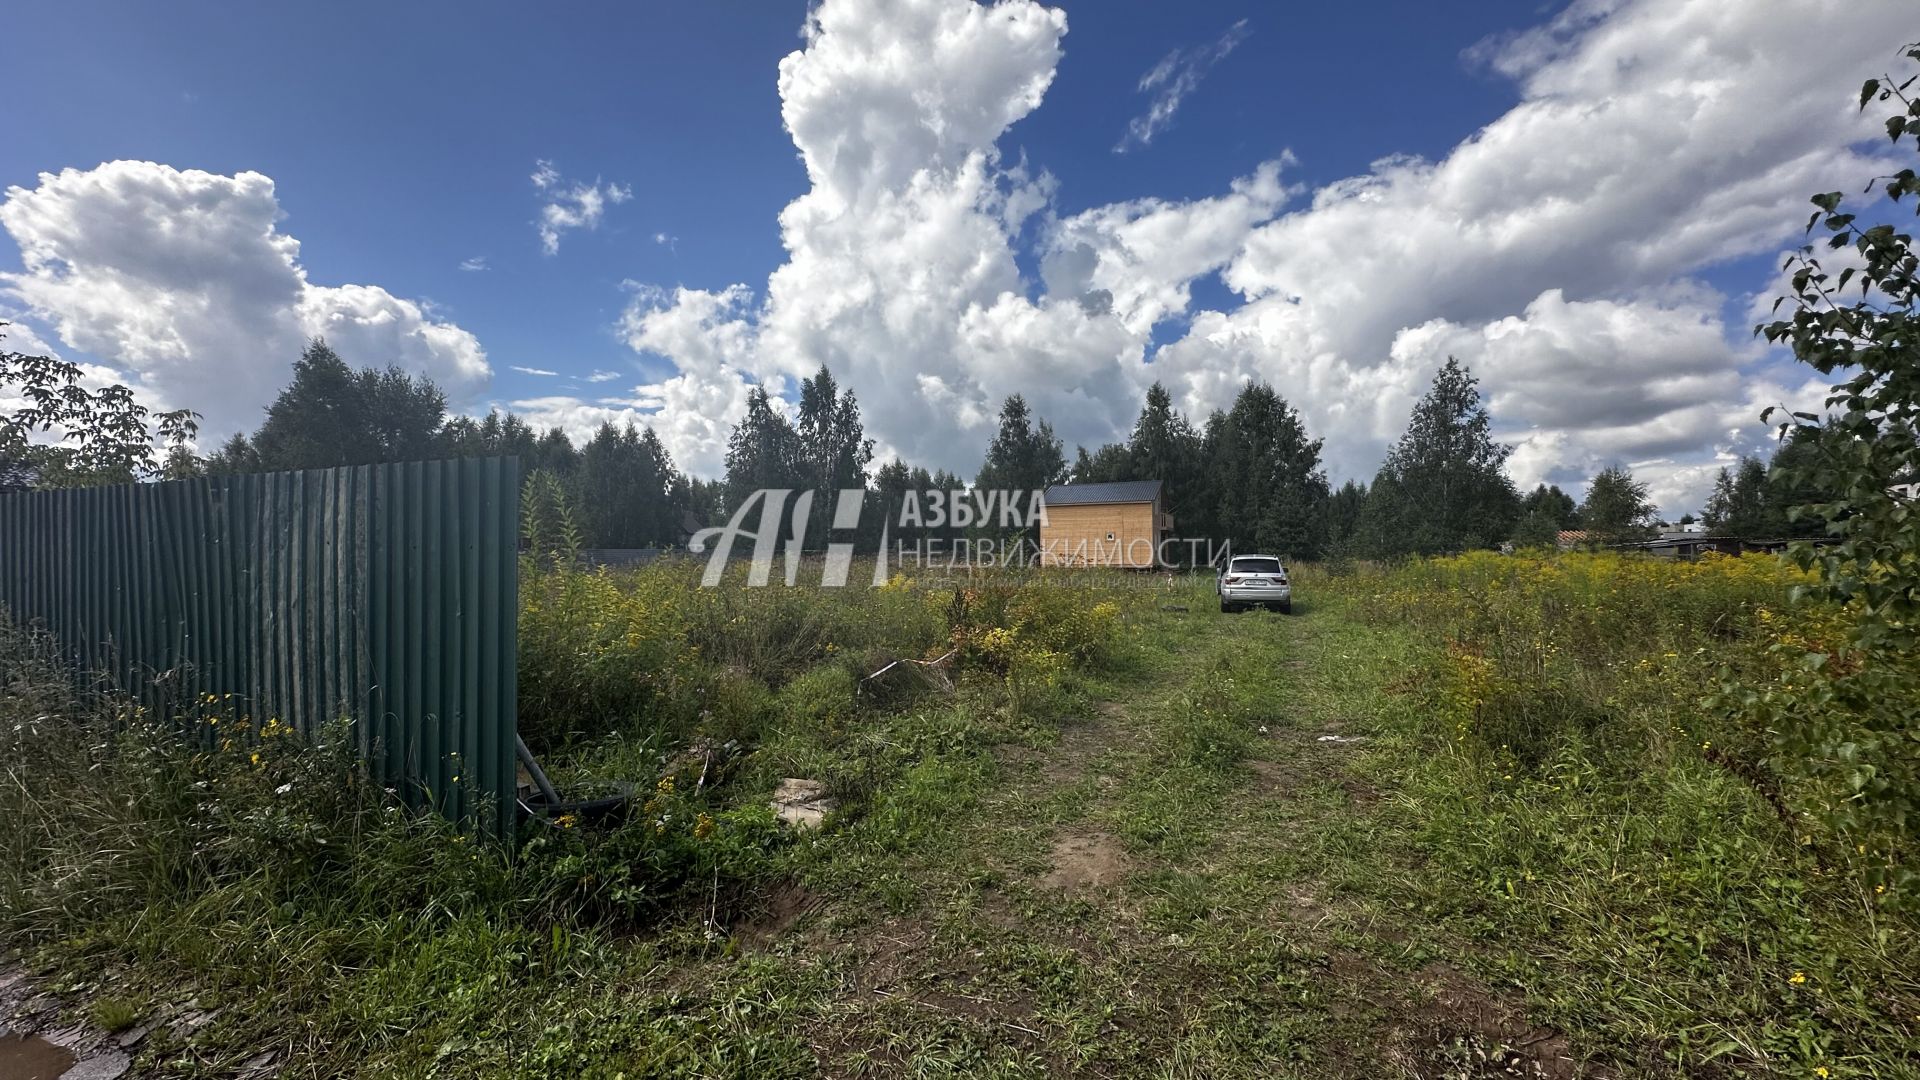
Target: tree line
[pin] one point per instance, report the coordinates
(622, 485)
(1250, 474)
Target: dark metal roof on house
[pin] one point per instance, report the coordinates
(1127, 491)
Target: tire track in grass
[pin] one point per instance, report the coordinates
(1098, 841)
(1178, 886)
(1017, 949)
(1305, 855)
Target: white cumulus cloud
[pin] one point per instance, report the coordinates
(902, 273)
(1556, 250)
(1577, 386)
(183, 279)
(1653, 140)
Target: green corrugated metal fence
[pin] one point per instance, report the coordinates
(386, 594)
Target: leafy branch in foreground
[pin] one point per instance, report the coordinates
(1875, 559)
(1848, 718)
(104, 436)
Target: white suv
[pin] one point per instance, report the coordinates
(1251, 580)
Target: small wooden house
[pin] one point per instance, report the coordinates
(1104, 525)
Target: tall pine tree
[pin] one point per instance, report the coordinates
(1271, 493)
(834, 451)
(333, 415)
(1024, 454)
(1444, 485)
(764, 451)
(1343, 518)
(1164, 446)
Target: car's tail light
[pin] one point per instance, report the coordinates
(1231, 579)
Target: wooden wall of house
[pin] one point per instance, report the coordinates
(1078, 535)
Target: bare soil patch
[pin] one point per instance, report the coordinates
(1465, 1030)
(785, 905)
(1087, 861)
(1360, 792)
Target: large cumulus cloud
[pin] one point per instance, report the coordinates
(1653, 140)
(902, 273)
(183, 279)
(1558, 250)
(1553, 249)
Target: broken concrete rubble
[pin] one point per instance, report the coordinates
(804, 804)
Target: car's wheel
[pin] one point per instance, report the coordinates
(1226, 608)
(1286, 607)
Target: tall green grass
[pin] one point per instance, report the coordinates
(1625, 850)
(234, 861)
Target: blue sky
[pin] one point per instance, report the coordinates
(401, 141)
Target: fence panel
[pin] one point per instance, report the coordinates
(384, 594)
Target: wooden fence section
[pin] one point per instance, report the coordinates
(381, 594)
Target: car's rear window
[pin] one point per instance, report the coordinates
(1256, 566)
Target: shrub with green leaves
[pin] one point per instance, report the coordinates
(1851, 721)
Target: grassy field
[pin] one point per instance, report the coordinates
(1468, 818)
